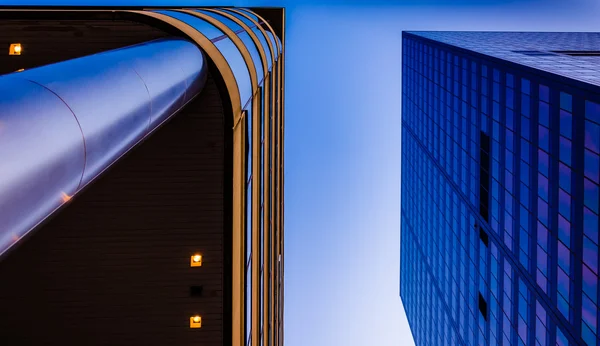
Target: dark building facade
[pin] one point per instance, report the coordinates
(141, 176)
(500, 196)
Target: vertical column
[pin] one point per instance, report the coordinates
(272, 277)
(277, 206)
(239, 232)
(282, 105)
(256, 185)
(281, 153)
(267, 211)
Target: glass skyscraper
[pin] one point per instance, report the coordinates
(500, 196)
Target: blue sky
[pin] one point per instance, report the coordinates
(343, 157)
(343, 150)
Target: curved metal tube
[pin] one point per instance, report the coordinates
(61, 125)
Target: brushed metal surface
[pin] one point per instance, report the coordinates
(63, 124)
(41, 156)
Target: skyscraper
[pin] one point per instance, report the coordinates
(500, 173)
(141, 176)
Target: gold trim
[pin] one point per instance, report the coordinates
(275, 208)
(282, 143)
(279, 200)
(255, 155)
(279, 197)
(279, 50)
(238, 264)
(255, 222)
(273, 56)
(234, 38)
(266, 212)
(281, 181)
(259, 47)
(273, 307)
(210, 49)
(238, 335)
(273, 231)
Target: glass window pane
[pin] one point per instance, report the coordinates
(590, 195)
(544, 93)
(590, 254)
(592, 166)
(592, 136)
(590, 225)
(564, 177)
(590, 282)
(565, 150)
(525, 86)
(566, 122)
(592, 111)
(566, 102)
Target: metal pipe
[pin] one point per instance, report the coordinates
(63, 124)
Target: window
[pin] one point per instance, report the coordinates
(566, 102)
(483, 308)
(592, 166)
(590, 195)
(525, 86)
(592, 136)
(565, 150)
(483, 236)
(484, 179)
(544, 93)
(566, 123)
(590, 225)
(544, 113)
(592, 111)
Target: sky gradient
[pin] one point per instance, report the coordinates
(342, 154)
(343, 157)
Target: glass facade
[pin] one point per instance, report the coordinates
(500, 173)
(263, 233)
(260, 127)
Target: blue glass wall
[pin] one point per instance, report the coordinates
(500, 173)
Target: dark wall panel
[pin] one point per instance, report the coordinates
(46, 41)
(112, 268)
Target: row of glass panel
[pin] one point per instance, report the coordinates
(424, 116)
(227, 48)
(455, 263)
(264, 232)
(242, 75)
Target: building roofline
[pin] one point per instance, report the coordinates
(584, 87)
(274, 15)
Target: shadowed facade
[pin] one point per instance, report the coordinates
(189, 165)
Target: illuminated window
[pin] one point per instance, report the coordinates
(196, 260)
(15, 49)
(195, 321)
